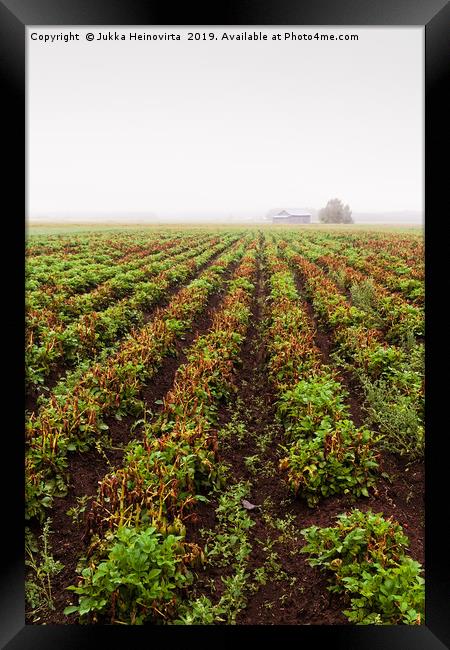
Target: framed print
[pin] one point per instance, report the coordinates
(232, 250)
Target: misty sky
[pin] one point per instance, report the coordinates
(185, 128)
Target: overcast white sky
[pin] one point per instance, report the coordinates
(184, 128)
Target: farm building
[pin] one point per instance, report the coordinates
(292, 215)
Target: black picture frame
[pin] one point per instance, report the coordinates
(434, 15)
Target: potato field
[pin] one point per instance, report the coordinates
(224, 426)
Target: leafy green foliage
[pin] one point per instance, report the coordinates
(365, 554)
(41, 568)
(339, 459)
(397, 418)
(230, 542)
(138, 582)
(200, 611)
(309, 403)
(328, 454)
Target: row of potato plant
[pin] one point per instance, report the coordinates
(326, 453)
(120, 278)
(50, 310)
(365, 554)
(365, 345)
(124, 283)
(141, 508)
(392, 272)
(415, 269)
(73, 416)
(400, 249)
(87, 242)
(54, 275)
(392, 377)
(41, 250)
(98, 329)
(384, 310)
(365, 559)
(406, 281)
(403, 255)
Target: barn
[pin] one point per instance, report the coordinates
(292, 215)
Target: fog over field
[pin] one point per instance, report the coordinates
(174, 131)
(381, 218)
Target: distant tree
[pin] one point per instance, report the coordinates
(335, 212)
